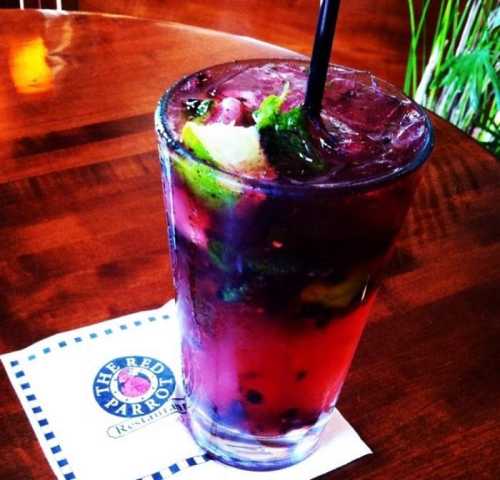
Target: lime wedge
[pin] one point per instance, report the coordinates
(206, 184)
(232, 148)
(339, 295)
(191, 138)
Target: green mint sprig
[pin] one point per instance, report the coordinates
(198, 109)
(286, 139)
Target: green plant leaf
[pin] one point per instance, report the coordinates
(493, 76)
(461, 79)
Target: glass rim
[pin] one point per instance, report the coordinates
(163, 131)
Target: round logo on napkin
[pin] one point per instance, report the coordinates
(133, 386)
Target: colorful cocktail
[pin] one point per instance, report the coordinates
(279, 228)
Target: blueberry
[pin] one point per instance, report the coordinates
(290, 414)
(321, 314)
(301, 374)
(294, 418)
(255, 397)
(322, 322)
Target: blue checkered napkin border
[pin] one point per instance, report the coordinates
(65, 340)
(17, 365)
(41, 423)
(178, 467)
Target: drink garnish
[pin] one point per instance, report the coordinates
(220, 255)
(198, 109)
(269, 110)
(279, 139)
(204, 183)
(338, 295)
(286, 140)
(232, 148)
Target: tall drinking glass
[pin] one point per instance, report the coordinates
(275, 273)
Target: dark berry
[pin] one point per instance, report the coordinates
(301, 374)
(290, 414)
(321, 314)
(322, 322)
(294, 418)
(255, 397)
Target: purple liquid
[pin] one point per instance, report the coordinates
(371, 129)
(276, 279)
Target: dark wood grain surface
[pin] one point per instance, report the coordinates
(82, 239)
(371, 34)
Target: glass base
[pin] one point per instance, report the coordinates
(252, 452)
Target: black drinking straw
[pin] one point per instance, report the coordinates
(325, 30)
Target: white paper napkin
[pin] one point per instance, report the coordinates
(89, 429)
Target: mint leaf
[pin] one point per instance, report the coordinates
(197, 108)
(287, 142)
(292, 153)
(273, 265)
(291, 120)
(233, 293)
(230, 259)
(268, 112)
(222, 255)
(204, 108)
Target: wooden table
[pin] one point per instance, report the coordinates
(82, 238)
(371, 34)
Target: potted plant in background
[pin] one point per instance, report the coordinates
(457, 77)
